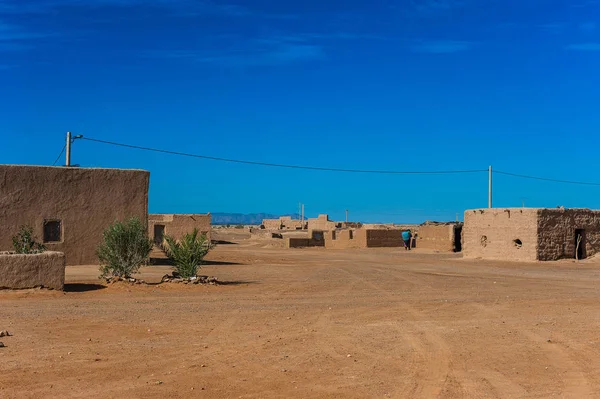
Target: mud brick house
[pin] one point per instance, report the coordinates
(176, 225)
(531, 234)
(69, 208)
(283, 223)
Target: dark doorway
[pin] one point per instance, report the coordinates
(457, 238)
(159, 234)
(580, 252)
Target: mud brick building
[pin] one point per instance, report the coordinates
(176, 225)
(283, 223)
(531, 234)
(69, 208)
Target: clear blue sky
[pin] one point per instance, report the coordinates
(399, 85)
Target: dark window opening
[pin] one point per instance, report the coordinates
(333, 236)
(52, 231)
(484, 241)
(351, 235)
(518, 243)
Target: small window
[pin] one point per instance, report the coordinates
(518, 243)
(351, 235)
(333, 236)
(52, 231)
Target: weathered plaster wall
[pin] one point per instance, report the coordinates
(177, 225)
(29, 271)
(557, 228)
(436, 237)
(345, 239)
(86, 201)
(491, 234)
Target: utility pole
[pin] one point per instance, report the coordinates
(68, 160)
(70, 140)
(302, 216)
(346, 216)
(490, 188)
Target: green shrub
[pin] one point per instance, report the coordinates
(187, 253)
(24, 242)
(125, 247)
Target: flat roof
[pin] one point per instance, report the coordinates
(68, 167)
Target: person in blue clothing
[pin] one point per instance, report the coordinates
(406, 236)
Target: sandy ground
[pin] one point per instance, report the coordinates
(312, 323)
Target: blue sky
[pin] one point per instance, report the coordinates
(397, 85)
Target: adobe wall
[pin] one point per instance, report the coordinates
(177, 225)
(345, 239)
(436, 237)
(384, 238)
(18, 271)
(294, 242)
(490, 234)
(272, 224)
(283, 223)
(556, 229)
(321, 223)
(86, 201)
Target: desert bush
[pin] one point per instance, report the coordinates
(240, 226)
(125, 247)
(24, 242)
(187, 253)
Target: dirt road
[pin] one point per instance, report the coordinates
(312, 323)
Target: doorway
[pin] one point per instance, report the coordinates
(159, 234)
(580, 252)
(457, 238)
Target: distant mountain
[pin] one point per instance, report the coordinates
(241, 218)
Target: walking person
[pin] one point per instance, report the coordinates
(407, 237)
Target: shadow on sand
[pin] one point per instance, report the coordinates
(236, 282)
(81, 287)
(169, 262)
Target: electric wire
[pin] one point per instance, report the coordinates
(327, 169)
(277, 165)
(545, 179)
(60, 155)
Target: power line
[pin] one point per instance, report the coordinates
(283, 165)
(546, 179)
(60, 155)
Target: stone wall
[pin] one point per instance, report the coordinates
(19, 271)
(83, 202)
(557, 229)
(439, 237)
(501, 233)
(177, 225)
